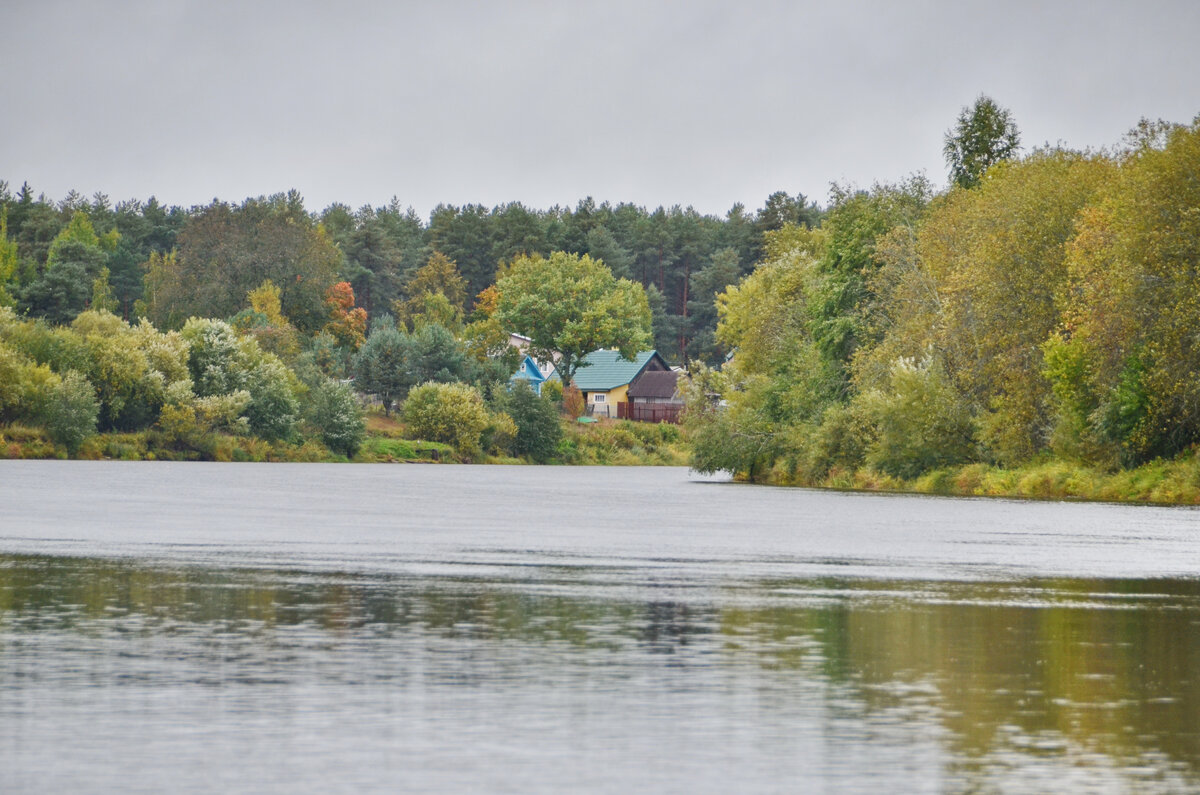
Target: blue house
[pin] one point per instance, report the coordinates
(529, 372)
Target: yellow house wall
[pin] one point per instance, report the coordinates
(611, 398)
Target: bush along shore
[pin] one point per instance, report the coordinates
(386, 440)
(1165, 482)
(1028, 332)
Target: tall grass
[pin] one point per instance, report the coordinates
(1175, 481)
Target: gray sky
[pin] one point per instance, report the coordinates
(701, 103)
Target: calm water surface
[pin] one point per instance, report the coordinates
(312, 628)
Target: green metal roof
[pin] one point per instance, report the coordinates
(607, 370)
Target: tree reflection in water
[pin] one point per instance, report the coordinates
(1006, 675)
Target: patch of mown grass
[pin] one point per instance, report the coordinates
(385, 450)
(381, 449)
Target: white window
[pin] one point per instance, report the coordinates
(598, 398)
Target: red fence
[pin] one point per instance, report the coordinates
(649, 412)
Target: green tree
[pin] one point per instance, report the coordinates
(735, 435)
(130, 390)
(840, 303)
(224, 252)
(103, 299)
(1124, 362)
(9, 260)
(536, 418)
(571, 305)
(998, 256)
(335, 411)
(721, 271)
(438, 277)
(984, 135)
(75, 258)
(380, 365)
(273, 410)
(602, 245)
(392, 361)
(69, 411)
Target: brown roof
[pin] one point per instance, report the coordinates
(654, 384)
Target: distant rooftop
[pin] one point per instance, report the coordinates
(608, 370)
(655, 384)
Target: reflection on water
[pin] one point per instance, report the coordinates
(141, 676)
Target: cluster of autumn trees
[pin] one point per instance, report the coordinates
(171, 263)
(102, 373)
(375, 296)
(1042, 305)
(256, 307)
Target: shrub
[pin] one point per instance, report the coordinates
(840, 441)
(499, 434)
(920, 421)
(273, 409)
(215, 357)
(69, 411)
(572, 402)
(537, 427)
(553, 391)
(223, 412)
(334, 409)
(449, 413)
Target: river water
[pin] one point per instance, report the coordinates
(340, 628)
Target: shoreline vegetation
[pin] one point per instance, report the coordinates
(1174, 482)
(1027, 331)
(604, 443)
(625, 443)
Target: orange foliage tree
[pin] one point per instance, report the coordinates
(347, 322)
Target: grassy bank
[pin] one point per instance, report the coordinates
(609, 442)
(1175, 481)
(624, 443)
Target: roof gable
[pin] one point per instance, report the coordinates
(606, 370)
(654, 384)
(529, 370)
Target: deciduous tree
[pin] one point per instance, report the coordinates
(571, 305)
(984, 135)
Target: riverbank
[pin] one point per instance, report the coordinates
(1173, 482)
(624, 443)
(605, 443)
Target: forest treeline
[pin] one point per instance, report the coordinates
(1044, 306)
(169, 263)
(251, 321)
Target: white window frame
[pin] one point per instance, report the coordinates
(599, 397)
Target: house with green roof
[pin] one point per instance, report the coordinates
(605, 379)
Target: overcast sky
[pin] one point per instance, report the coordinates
(700, 103)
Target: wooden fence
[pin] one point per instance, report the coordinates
(649, 412)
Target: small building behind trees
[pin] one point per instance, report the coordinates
(653, 397)
(605, 377)
(529, 372)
